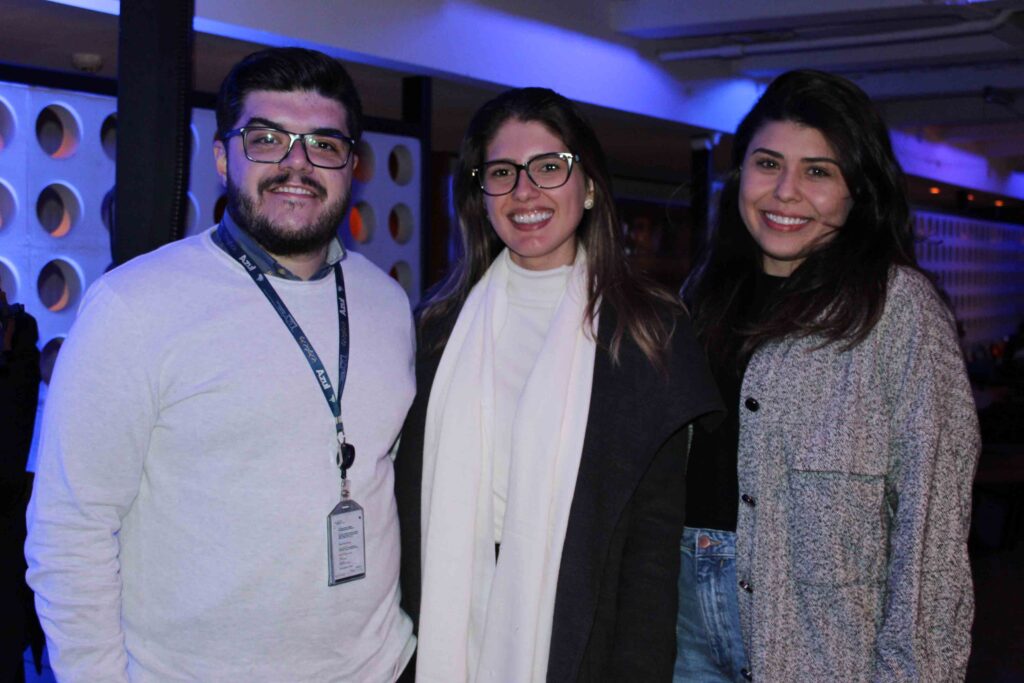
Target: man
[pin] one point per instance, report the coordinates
(188, 521)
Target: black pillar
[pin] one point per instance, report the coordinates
(154, 71)
(417, 107)
(701, 173)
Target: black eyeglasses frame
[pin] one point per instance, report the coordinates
(240, 132)
(477, 171)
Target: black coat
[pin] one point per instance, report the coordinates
(615, 603)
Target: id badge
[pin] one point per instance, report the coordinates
(346, 544)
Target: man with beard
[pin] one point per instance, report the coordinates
(214, 492)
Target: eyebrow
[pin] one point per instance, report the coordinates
(267, 123)
(807, 160)
(507, 160)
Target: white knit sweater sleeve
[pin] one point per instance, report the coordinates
(89, 469)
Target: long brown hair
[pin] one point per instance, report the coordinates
(611, 281)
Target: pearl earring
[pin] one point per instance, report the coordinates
(588, 203)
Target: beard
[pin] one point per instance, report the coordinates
(278, 240)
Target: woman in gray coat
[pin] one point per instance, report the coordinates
(827, 518)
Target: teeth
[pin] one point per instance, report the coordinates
(532, 217)
(287, 189)
(784, 220)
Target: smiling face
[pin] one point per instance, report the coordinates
(538, 226)
(291, 208)
(793, 196)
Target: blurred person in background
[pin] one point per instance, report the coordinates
(19, 397)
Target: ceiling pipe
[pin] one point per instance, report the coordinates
(783, 47)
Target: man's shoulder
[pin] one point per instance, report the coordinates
(368, 276)
(187, 254)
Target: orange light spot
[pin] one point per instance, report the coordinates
(355, 223)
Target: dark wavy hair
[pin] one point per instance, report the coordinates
(284, 69)
(839, 291)
(611, 281)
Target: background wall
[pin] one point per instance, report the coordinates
(57, 168)
(980, 265)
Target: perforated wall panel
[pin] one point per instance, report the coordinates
(57, 152)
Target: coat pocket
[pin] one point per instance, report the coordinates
(838, 519)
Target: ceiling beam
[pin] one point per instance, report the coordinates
(942, 81)
(945, 51)
(675, 19)
(946, 111)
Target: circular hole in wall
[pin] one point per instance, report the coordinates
(58, 209)
(6, 124)
(59, 285)
(48, 356)
(401, 272)
(362, 222)
(108, 209)
(400, 223)
(219, 207)
(108, 136)
(57, 131)
(366, 164)
(400, 164)
(8, 205)
(8, 281)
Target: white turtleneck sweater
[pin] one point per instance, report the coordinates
(533, 297)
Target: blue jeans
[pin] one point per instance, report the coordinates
(709, 642)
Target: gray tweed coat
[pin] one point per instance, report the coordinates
(855, 473)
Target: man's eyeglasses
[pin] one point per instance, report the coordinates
(546, 171)
(271, 146)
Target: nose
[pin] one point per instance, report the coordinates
(297, 157)
(524, 189)
(787, 186)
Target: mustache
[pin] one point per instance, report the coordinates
(283, 178)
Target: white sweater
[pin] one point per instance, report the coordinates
(178, 524)
(533, 296)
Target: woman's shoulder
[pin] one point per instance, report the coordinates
(915, 309)
(433, 326)
(912, 294)
(660, 305)
(908, 282)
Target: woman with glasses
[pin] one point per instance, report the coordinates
(827, 517)
(540, 474)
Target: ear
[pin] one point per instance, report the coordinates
(220, 155)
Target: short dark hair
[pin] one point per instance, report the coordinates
(636, 300)
(284, 69)
(839, 291)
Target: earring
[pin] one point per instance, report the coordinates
(588, 203)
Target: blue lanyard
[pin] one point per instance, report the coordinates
(319, 371)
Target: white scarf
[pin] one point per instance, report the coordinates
(481, 623)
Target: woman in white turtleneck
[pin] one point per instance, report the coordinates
(540, 476)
